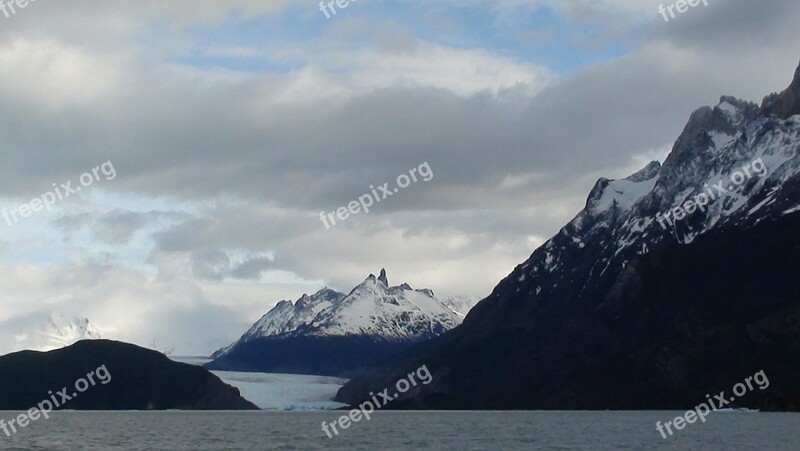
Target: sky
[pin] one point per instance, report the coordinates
(216, 143)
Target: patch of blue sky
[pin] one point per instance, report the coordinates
(37, 239)
(274, 42)
(533, 35)
(252, 44)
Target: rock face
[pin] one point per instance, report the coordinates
(140, 379)
(626, 309)
(332, 333)
(785, 104)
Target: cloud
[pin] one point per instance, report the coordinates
(119, 226)
(251, 269)
(229, 140)
(217, 265)
(124, 304)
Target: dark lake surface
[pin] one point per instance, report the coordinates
(461, 431)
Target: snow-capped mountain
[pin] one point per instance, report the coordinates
(48, 331)
(626, 219)
(373, 310)
(644, 289)
(460, 305)
(60, 331)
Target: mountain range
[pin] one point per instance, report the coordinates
(645, 300)
(333, 333)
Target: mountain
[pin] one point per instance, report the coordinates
(59, 331)
(332, 333)
(133, 378)
(644, 300)
(45, 331)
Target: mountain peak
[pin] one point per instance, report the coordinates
(381, 278)
(371, 311)
(785, 104)
(700, 120)
(61, 331)
(633, 266)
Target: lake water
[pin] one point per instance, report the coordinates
(462, 431)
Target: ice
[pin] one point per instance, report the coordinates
(272, 391)
(286, 391)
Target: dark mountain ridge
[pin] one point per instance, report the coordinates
(138, 379)
(623, 309)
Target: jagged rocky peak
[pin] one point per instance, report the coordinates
(372, 308)
(617, 283)
(60, 331)
(785, 104)
(325, 294)
(724, 119)
(381, 281)
(328, 324)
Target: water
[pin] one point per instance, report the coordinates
(461, 431)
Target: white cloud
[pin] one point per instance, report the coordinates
(222, 171)
(55, 76)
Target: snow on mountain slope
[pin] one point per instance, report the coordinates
(60, 331)
(287, 317)
(648, 311)
(460, 305)
(621, 220)
(373, 309)
(50, 331)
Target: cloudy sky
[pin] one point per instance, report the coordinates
(230, 125)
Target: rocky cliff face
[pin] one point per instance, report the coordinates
(785, 104)
(632, 303)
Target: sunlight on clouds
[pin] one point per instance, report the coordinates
(464, 72)
(333, 73)
(56, 75)
(231, 135)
